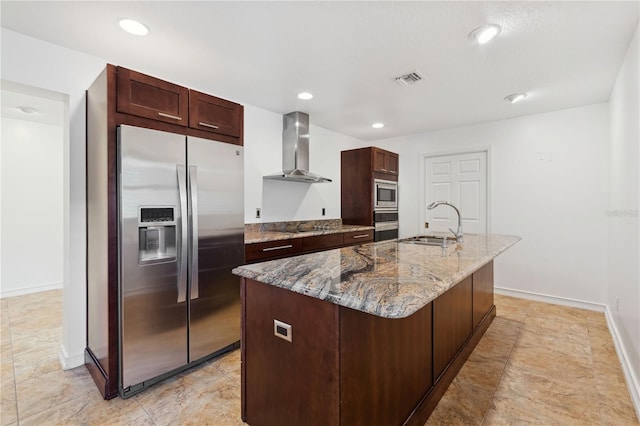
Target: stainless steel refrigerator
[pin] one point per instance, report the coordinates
(181, 231)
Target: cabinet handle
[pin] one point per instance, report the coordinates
(361, 236)
(162, 114)
(213, 126)
(277, 248)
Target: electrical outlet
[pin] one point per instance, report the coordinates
(258, 213)
(617, 304)
(426, 225)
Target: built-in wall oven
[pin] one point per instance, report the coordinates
(386, 225)
(385, 195)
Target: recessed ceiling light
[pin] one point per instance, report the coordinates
(305, 96)
(485, 34)
(27, 109)
(133, 27)
(516, 97)
(377, 125)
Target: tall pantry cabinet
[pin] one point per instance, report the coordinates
(358, 170)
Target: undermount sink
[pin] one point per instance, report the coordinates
(429, 240)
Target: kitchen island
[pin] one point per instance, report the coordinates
(369, 334)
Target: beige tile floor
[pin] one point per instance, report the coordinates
(537, 364)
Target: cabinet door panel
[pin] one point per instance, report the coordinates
(385, 366)
(149, 97)
(213, 114)
(482, 292)
(392, 163)
(452, 323)
(379, 160)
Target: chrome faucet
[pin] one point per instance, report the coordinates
(459, 235)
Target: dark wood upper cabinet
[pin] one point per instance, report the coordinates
(392, 162)
(385, 161)
(149, 97)
(215, 115)
(201, 115)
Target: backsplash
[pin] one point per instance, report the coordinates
(294, 226)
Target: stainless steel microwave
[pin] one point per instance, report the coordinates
(385, 195)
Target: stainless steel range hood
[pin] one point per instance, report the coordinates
(295, 151)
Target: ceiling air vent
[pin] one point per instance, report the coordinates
(407, 79)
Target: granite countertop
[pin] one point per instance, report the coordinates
(389, 279)
(258, 236)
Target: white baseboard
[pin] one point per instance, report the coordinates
(629, 376)
(627, 370)
(555, 300)
(69, 362)
(29, 290)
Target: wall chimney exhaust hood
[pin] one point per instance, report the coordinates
(295, 150)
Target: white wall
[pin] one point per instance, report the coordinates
(548, 184)
(624, 194)
(45, 65)
(32, 206)
(282, 201)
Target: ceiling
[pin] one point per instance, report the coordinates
(563, 54)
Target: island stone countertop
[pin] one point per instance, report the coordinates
(390, 279)
(259, 233)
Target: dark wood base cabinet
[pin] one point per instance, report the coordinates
(259, 252)
(346, 367)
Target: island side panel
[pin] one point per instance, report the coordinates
(452, 323)
(289, 383)
(385, 366)
(482, 292)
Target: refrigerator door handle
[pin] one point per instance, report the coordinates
(184, 233)
(193, 191)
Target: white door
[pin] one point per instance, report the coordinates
(461, 180)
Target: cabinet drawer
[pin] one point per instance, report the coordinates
(357, 237)
(272, 249)
(214, 115)
(149, 97)
(321, 242)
